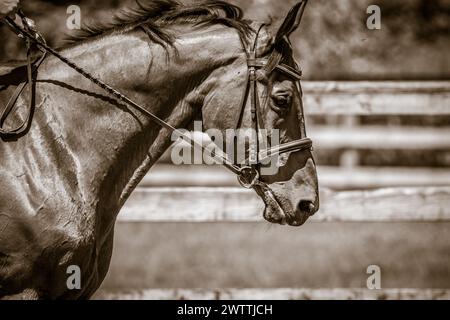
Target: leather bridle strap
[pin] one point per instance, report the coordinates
(283, 68)
(250, 174)
(293, 146)
(254, 109)
(31, 68)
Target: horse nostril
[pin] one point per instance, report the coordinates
(307, 207)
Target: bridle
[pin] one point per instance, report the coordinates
(248, 174)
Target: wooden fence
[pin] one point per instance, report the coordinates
(173, 193)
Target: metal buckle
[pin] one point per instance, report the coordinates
(246, 178)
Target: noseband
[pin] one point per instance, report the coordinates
(248, 175)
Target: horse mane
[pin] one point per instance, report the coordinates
(153, 15)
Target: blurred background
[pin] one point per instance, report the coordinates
(333, 42)
(407, 65)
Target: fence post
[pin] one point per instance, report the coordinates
(350, 158)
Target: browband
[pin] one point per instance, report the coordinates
(284, 68)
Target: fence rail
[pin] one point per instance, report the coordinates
(166, 175)
(238, 204)
(380, 137)
(377, 97)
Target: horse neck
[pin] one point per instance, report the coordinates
(110, 141)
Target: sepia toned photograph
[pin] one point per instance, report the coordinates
(239, 150)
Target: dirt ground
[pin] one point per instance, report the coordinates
(327, 255)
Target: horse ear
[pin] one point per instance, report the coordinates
(291, 22)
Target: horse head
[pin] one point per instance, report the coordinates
(287, 182)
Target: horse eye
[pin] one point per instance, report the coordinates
(282, 101)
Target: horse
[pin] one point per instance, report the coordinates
(64, 181)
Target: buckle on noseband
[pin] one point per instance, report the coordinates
(248, 177)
